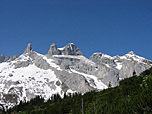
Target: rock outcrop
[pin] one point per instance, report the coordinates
(69, 49)
(53, 50)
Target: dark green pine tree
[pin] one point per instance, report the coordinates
(134, 73)
(109, 85)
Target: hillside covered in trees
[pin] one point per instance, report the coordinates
(132, 96)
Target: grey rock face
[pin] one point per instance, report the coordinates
(73, 81)
(65, 63)
(107, 75)
(111, 77)
(84, 67)
(41, 63)
(128, 67)
(105, 69)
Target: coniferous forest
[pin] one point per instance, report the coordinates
(132, 96)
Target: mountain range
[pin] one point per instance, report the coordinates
(63, 71)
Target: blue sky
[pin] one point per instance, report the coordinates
(114, 27)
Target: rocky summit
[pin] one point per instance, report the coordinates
(63, 71)
(69, 49)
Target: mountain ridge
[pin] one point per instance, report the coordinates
(65, 71)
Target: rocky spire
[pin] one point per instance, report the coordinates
(28, 49)
(53, 50)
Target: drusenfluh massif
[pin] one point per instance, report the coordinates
(63, 70)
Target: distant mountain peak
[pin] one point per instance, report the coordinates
(28, 49)
(131, 53)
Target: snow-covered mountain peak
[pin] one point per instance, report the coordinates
(132, 56)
